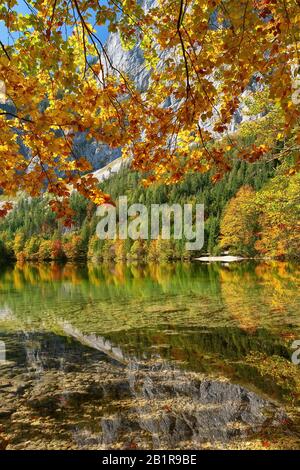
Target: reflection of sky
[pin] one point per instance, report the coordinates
(8, 38)
(5, 313)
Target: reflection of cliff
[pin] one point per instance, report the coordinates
(211, 350)
(198, 345)
(218, 351)
(78, 397)
(96, 342)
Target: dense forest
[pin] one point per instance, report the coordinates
(252, 211)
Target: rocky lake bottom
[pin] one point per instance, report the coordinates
(185, 356)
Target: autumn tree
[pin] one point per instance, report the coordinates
(45, 250)
(74, 247)
(94, 247)
(138, 250)
(57, 252)
(239, 225)
(279, 205)
(19, 242)
(31, 248)
(203, 54)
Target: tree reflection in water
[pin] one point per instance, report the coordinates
(153, 356)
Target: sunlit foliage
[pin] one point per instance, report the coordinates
(204, 54)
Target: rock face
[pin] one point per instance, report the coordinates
(98, 155)
(129, 61)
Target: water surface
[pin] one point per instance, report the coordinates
(158, 356)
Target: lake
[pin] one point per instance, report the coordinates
(173, 356)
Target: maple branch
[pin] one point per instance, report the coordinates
(33, 11)
(202, 140)
(4, 50)
(135, 20)
(179, 21)
(7, 113)
(244, 24)
(90, 33)
(94, 38)
(290, 27)
(53, 13)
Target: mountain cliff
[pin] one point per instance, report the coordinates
(131, 62)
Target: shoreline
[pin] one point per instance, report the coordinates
(226, 259)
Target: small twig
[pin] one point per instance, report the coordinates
(4, 50)
(179, 22)
(6, 113)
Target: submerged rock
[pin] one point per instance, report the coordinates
(76, 397)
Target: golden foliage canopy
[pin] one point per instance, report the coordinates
(59, 80)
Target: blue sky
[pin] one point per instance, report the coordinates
(22, 8)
